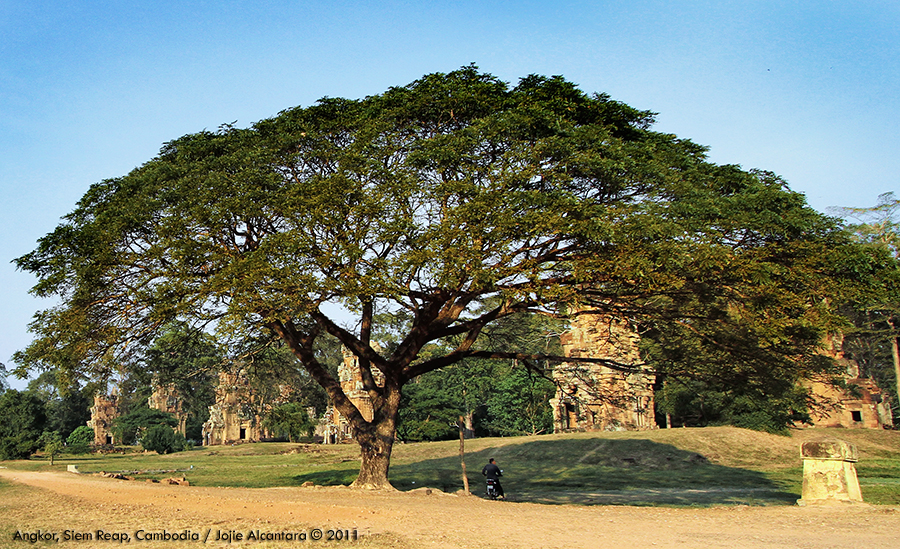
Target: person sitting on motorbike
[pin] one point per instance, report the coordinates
(492, 472)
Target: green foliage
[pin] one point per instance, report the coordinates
(495, 397)
(502, 399)
(130, 428)
(79, 442)
(697, 404)
(460, 200)
(874, 340)
(289, 421)
(519, 403)
(162, 439)
(878, 225)
(22, 421)
(186, 358)
(66, 400)
(272, 367)
(430, 409)
(747, 306)
(70, 411)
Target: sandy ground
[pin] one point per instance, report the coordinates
(56, 502)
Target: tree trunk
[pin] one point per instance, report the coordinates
(375, 450)
(375, 437)
(376, 440)
(462, 453)
(895, 353)
(469, 431)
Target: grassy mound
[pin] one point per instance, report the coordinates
(708, 466)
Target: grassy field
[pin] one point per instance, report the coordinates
(681, 467)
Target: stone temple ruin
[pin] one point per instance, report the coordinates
(589, 396)
(869, 409)
(863, 406)
(165, 398)
(106, 409)
(103, 412)
(239, 410)
(596, 397)
(334, 428)
(236, 415)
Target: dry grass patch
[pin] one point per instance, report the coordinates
(701, 466)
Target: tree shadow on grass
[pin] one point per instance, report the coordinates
(589, 472)
(330, 477)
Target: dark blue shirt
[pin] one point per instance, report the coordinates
(491, 471)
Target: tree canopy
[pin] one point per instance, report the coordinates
(290, 421)
(875, 343)
(456, 200)
(130, 427)
(22, 420)
(878, 225)
(180, 357)
(162, 439)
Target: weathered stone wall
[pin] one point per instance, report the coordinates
(167, 399)
(103, 412)
(863, 406)
(869, 410)
(596, 397)
(239, 410)
(334, 427)
(592, 397)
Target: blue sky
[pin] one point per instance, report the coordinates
(90, 90)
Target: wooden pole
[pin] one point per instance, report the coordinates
(895, 353)
(462, 452)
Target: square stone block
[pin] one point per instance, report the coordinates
(829, 473)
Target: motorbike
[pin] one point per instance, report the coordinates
(492, 492)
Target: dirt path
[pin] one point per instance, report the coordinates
(60, 501)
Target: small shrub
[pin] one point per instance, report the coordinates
(289, 421)
(128, 428)
(52, 444)
(162, 439)
(79, 442)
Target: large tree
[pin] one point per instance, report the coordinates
(876, 341)
(188, 360)
(22, 420)
(457, 199)
(67, 401)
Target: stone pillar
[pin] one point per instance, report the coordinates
(829, 475)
